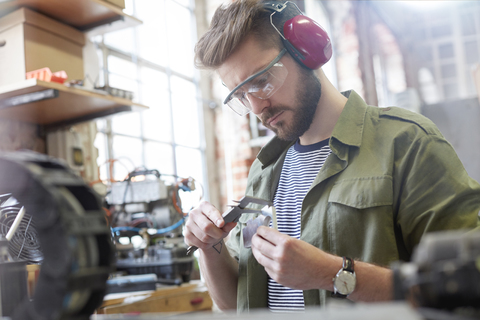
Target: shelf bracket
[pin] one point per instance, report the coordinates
(28, 98)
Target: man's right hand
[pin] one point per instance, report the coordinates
(205, 226)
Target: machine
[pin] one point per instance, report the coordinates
(443, 278)
(66, 218)
(147, 217)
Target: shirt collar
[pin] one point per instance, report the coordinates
(348, 130)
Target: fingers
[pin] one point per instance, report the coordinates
(271, 235)
(229, 226)
(269, 246)
(262, 245)
(263, 250)
(211, 213)
(205, 226)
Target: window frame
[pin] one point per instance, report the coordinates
(107, 131)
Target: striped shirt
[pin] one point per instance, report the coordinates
(300, 168)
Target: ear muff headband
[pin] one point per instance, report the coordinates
(306, 41)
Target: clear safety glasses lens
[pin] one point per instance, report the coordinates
(261, 87)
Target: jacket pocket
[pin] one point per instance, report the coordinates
(362, 193)
(361, 219)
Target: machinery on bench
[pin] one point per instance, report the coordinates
(147, 218)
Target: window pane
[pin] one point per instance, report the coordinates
(121, 40)
(445, 51)
(152, 33)
(157, 121)
(128, 152)
(127, 123)
(185, 113)
(441, 31)
(180, 42)
(189, 164)
(159, 156)
(101, 125)
(449, 71)
(184, 3)
(421, 34)
(101, 145)
(154, 93)
(122, 67)
(468, 24)
(128, 7)
(471, 52)
(426, 53)
(96, 79)
(153, 79)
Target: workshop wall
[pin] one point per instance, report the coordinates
(18, 135)
(346, 46)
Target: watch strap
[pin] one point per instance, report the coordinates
(348, 264)
(338, 295)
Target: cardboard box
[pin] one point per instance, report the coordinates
(31, 41)
(118, 3)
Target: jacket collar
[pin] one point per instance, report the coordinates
(347, 131)
(349, 127)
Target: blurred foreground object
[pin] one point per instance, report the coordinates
(75, 241)
(444, 275)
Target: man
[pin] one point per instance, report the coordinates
(355, 187)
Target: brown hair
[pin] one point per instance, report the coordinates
(230, 25)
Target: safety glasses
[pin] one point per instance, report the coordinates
(261, 85)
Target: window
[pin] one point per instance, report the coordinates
(450, 49)
(446, 51)
(155, 62)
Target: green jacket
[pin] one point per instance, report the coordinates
(391, 178)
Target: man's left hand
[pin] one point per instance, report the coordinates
(293, 263)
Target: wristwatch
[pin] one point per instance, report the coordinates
(345, 280)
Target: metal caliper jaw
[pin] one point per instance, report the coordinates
(233, 215)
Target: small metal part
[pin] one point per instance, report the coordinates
(233, 214)
(251, 228)
(269, 211)
(191, 249)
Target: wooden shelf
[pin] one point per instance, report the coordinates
(72, 105)
(92, 16)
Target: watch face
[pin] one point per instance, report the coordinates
(345, 282)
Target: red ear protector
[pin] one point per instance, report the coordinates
(306, 41)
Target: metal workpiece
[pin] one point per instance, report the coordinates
(233, 214)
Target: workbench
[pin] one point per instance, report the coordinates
(188, 297)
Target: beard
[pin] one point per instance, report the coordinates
(308, 93)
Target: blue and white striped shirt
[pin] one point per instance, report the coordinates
(300, 168)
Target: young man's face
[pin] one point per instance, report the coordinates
(289, 112)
